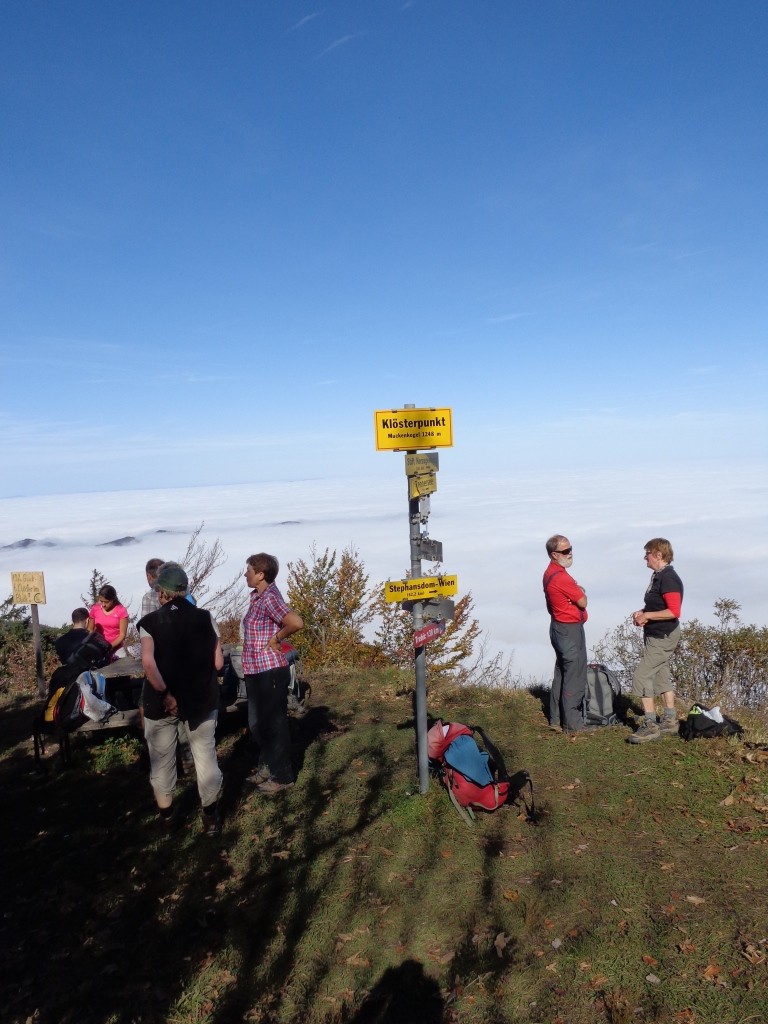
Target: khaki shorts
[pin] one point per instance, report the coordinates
(652, 676)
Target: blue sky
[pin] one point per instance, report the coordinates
(232, 231)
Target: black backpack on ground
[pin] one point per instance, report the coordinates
(603, 688)
(698, 725)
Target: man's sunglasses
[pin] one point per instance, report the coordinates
(565, 551)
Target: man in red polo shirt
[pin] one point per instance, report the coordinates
(567, 606)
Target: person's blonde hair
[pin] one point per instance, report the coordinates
(660, 546)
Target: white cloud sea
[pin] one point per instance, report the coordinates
(492, 528)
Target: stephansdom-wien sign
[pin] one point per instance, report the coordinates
(420, 588)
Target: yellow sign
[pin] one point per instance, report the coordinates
(416, 465)
(28, 587)
(420, 589)
(419, 486)
(399, 430)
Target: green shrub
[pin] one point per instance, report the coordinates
(446, 657)
(17, 654)
(331, 595)
(725, 663)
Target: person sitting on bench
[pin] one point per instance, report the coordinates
(68, 643)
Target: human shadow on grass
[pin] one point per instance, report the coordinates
(118, 922)
(285, 886)
(18, 716)
(107, 918)
(75, 901)
(402, 995)
(244, 755)
(494, 943)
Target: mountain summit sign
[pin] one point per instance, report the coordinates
(400, 430)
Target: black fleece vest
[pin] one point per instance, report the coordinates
(185, 647)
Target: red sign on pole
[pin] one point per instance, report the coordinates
(431, 631)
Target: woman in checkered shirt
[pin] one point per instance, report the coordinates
(267, 623)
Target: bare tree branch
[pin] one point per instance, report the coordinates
(200, 561)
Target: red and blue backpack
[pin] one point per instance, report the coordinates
(475, 779)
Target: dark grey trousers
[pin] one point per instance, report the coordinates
(268, 720)
(569, 681)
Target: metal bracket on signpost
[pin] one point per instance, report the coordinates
(430, 550)
(438, 609)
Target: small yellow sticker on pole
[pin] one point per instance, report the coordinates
(419, 486)
(417, 465)
(28, 587)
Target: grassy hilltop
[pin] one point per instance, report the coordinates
(640, 895)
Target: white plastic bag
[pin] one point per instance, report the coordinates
(714, 713)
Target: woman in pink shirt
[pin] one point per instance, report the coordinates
(109, 618)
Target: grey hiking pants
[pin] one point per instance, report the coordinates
(569, 681)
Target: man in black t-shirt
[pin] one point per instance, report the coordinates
(68, 643)
(660, 620)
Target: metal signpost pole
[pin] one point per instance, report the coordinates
(408, 430)
(420, 658)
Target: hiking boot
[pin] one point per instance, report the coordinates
(648, 731)
(212, 823)
(555, 727)
(669, 725)
(167, 822)
(272, 787)
(258, 775)
(583, 730)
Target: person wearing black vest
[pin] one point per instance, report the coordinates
(660, 621)
(181, 653)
